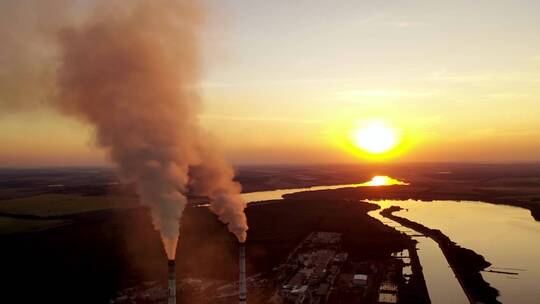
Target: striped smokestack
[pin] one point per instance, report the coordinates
(242, 295)
(172, 281)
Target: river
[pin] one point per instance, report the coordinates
(443, 286)
(506, 236)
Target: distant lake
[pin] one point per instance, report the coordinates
(506, 236)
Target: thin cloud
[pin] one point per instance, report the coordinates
(382, 93)
(285, 82)
(510, 96)
(487, 77)
(260, 119)
(407, 24)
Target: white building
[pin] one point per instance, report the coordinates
(360, 279)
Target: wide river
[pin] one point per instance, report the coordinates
(506, 236)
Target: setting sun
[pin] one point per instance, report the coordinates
(375, 137)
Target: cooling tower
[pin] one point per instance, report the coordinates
(172, 282)
(242, 295)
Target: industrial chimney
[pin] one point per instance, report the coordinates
(242, 294)
(172, 281)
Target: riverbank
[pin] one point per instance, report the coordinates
(465, 263)
(424, 192)
(417, 291)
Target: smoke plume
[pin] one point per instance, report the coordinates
(213, 178)
(130, 69)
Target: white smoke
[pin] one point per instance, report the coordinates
(130, 69)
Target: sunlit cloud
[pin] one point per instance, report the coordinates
(493, 133)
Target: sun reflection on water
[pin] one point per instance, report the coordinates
(383, 180)
(379, 180)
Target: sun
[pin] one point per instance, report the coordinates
(375, 137)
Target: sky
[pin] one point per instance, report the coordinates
(287, 82)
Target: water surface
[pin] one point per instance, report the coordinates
(506, 236)
(379, 180)
(443, 286)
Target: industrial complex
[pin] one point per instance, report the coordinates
(317, 271)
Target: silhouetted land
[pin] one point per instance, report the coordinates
(512, 184)
(104, 251)
(77, 233)
(515, 185)
(417, 292)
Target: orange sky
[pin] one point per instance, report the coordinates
(287, 82)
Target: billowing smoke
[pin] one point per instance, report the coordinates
(214, 178)
(130, 69)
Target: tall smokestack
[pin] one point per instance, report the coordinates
(242, 294)
(172, 282)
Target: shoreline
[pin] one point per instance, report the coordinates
(412, 192)
(465, 263)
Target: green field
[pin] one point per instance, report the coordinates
(11, 225)
(62, 204)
